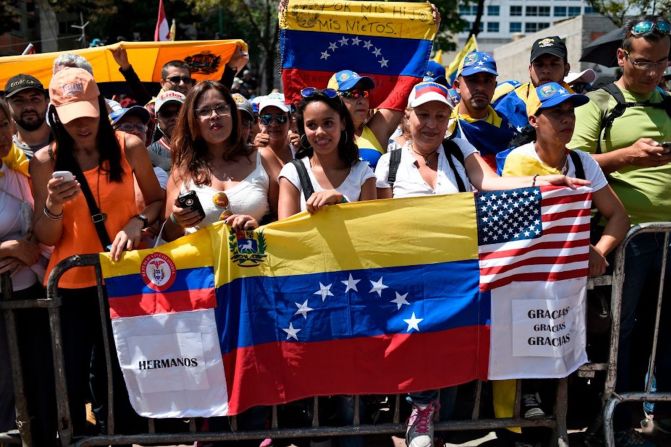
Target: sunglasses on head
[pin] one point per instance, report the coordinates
(355, 94)
(309, 92)
(268, 118)
(646, 27)
(178, 79)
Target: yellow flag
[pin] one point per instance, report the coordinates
(438, 57)
(457, 62)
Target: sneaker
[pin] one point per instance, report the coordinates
(420, 426)
(632, 438)
(531, 404)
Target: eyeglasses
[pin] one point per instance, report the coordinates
(646, 65)
(309, 92)
(178, 79)
(580, 87)
(167, 114)
(355, 94)
(219, 110)
(246, 120)
(267, 119)
(128, 127)
(646, 27)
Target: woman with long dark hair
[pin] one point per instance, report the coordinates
(84, 177)
(210, 158)
(328, 155)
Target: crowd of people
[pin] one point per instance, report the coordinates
(83, 174)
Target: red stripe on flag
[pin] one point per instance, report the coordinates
(162, 303)
(558, 245)
(566, 229)
(564, 214)
(548, 201)
(535, 276)
(539, 260)
(390, 91)
(276, 373)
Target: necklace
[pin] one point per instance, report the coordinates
(427, 158)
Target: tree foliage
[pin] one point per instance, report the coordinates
(618, 10)
(9, 16)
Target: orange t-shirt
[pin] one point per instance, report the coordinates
(116, 200)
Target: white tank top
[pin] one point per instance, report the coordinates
(250, 196)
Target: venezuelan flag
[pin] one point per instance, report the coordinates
(207, 59)
(311, 305)
(387, 41)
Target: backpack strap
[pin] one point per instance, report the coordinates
(306, 184)
(452, 149)
(577, 163)
(394, 162)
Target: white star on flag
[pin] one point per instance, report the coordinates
(383, 62)
(324, 291)
(400, 300)
(377, 52)
(412, 322)
(333, 46)
(303, 309)
(367, 44)
(344, 41)
(356, 41)
(378, 286)
(350, 284)
(292, 332)
(325, 55)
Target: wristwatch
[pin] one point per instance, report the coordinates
(143, 218)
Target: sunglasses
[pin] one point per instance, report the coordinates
(128, 127)
(167, 114)
(647, 27)
(178, 79)
(355, 94)
(267, 119)
(309, 92)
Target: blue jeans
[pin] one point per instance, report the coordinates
(448, 397)
(642, 273)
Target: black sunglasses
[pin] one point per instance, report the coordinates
(267, 119)
(309, 92)
(178, 79)
(168, 113)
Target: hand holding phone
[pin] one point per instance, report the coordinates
(189, 200)
(666, 145)
(65, 176)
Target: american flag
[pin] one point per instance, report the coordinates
(532, 234)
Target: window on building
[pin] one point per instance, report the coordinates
(515, 27)
(515, 10)
(588, 10)
(544, 11)
(493, 10)
(543, 26)
(573, 11)
(560, 11)
(532, 11)
(467, 27)
(464, 10)
(492, 27)
(530, 27)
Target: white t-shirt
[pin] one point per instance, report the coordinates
(593, 171)
(409, 182)
(350, 188)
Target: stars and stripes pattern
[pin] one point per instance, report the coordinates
(532, 234)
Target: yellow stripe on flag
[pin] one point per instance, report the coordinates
(382, 19)
(209, 57)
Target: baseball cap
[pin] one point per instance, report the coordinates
(273, 101)
(74, 93)
(588, 76)
(429, 91)
(243, 104)
(21, 82)
(551, 95)
(347, 79)
(435, 72)
(478, 62)
(548, 45)
(138, 111)
(169, 96)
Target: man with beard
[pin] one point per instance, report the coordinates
(473, 119)
(28, 104)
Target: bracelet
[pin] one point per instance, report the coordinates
(51, 215)
(533, 182)
(172, 218)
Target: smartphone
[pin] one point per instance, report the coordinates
(66, 176)
(190, 200)
(666, 145)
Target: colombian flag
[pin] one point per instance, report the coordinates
(218, 322)
(206, 59)
(387, 41)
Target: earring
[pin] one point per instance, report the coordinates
(304, 141)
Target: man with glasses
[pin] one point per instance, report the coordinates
(372, 132)
(168, 106)
(629, 147)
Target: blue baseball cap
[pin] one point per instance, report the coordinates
(138, 111)
(347, 79)
(551, 95)
(435, 72)
(478, 62)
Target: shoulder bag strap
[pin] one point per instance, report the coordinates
(306, 184)
(394, 162)
(97, 217)
(577, 162)
(451, 148)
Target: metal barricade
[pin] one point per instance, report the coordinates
(557, 422)
(611, 397)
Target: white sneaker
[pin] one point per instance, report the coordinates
(531, 404)
(420, 426)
